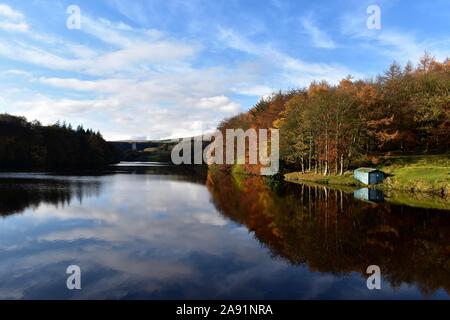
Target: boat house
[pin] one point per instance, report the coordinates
(369, 175)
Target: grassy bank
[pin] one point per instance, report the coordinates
(345, 180)
(430, 174)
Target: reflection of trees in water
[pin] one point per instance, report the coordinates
(16, 195)
(332, 232)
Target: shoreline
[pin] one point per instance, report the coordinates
(347, 180)
(428, 174)
(434, 198)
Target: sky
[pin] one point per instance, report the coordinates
(160, 69)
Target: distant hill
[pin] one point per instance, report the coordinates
(25, 144)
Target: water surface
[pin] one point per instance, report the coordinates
(168, 233)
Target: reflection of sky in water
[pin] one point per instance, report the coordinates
(147, 236)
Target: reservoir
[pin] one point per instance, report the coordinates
(162, 232)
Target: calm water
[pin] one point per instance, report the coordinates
(164, 233)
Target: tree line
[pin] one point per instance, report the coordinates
(26, 144)
(330, 128)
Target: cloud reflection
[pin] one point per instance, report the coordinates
(147, 236)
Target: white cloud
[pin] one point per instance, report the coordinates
(80, 51)
(59, 109)
(402, 46)
(17, 73)
(7, 12)
(11, 26)
(302, 74)
(218, 103)
(128, 81)
(102, 86)
(255, 90)
(290, 71)
(145, 85)
(319, 38)
(12, 20)
(23, 52)
(138, 54)
(123, 60)
(185, 103)
(132, 49)
(119, 34)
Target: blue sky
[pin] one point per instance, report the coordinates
(173, 68)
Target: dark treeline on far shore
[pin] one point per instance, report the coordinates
(26, 144)
(330, 128)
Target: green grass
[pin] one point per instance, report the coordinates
(345, 180)
(418, 173)
(417, 161)
(416, 181)
(430, 174)
(343, 185)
